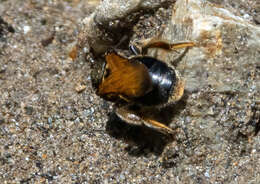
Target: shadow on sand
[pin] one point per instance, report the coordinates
(142, 140)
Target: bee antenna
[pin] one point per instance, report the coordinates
(121, 41)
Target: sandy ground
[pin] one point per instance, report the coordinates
(50, 133)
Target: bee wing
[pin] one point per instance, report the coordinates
(124, 78)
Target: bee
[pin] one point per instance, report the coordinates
(139, 83)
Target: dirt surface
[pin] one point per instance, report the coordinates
(51, 133)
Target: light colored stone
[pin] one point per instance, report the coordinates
(227, 45)
(107, 15)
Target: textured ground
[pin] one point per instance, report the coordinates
(50, 133)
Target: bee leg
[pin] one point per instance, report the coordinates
(142, 46)
(128, 115)
(132, 117)
(157, 125)
(124, 98)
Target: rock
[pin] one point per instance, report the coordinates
(227, 45)
(107, 24)
(257, 19)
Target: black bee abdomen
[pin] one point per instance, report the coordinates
(163, 80)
